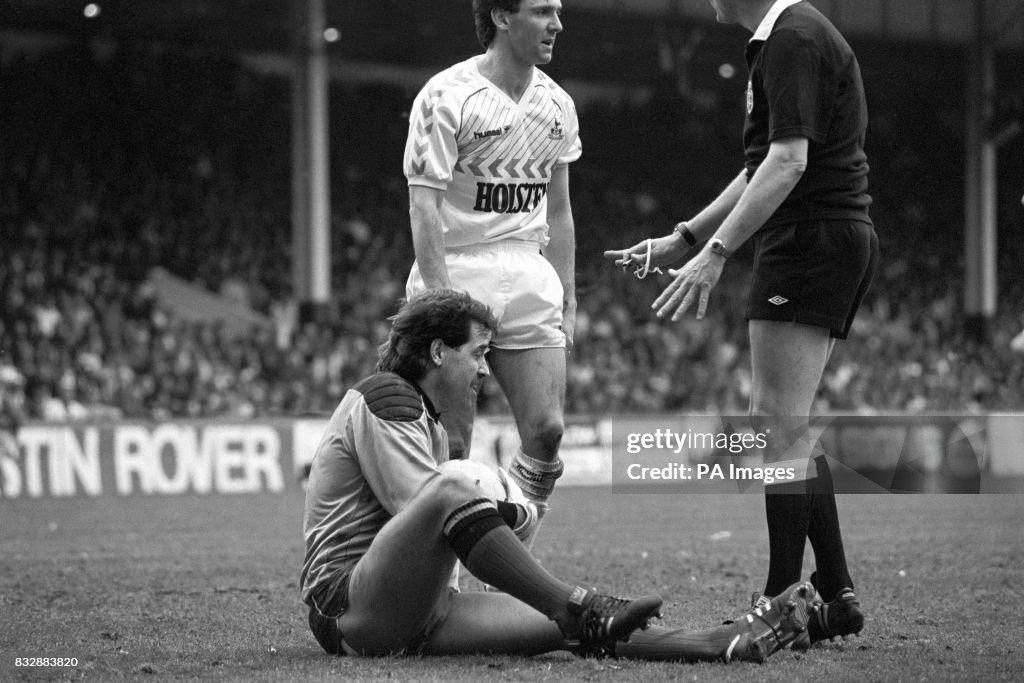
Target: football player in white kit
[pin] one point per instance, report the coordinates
(487, 161)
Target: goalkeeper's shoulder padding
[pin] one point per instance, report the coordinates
(391, 398)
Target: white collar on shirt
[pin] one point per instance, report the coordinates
(764, 29)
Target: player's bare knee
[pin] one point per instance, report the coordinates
(446, 491)
(547, 437)
(453, 487)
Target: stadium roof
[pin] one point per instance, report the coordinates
(371, 27)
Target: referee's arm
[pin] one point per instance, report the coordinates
(771, 183)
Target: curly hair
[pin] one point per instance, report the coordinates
(442, 314)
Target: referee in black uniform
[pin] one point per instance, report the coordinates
(802, 199)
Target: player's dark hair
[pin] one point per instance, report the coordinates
(434, 314)
(485, 28)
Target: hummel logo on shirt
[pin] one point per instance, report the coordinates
(778, 300)
(491, 133)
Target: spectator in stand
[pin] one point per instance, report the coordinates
(93, 197)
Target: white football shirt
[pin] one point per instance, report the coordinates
(493, 157)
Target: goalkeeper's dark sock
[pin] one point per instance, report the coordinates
(788, 516)
(493, 554)
(826, 538)
(676, 645)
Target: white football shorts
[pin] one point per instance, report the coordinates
(516, 281)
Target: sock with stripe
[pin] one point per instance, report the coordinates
(489, 549)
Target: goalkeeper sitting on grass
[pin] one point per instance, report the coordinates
(386, 522)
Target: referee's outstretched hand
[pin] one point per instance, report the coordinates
(692, 283)
(647, 255)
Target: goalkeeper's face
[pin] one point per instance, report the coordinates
(464, 368)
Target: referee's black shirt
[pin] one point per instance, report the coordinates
(805, 80)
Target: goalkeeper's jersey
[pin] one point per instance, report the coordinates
(493, 157)
(382, 445)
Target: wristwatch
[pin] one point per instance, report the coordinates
(683, 229)
(718, 247)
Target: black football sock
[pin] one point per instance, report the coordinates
(832, 573)
(493, 554)
(788, 516)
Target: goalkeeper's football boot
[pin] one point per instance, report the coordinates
(598, 621)
(840, 617)
(775, 623)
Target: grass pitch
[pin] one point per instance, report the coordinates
(205, 587)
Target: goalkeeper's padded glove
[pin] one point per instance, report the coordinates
(529, 517)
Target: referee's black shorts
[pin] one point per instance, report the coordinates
(813, 272)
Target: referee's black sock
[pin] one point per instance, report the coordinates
(788, 515)
(832, 573)
(493, 554)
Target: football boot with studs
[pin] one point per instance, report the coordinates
(596, 622)
(774, 624)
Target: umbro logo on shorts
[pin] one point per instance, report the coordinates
(778, 300)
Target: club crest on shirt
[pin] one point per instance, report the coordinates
(556, 132)
(750, 97)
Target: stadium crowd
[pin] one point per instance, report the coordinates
(117, 161)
